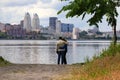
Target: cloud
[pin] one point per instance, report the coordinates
(43, 13)
(12, 3)
(47, 4)
(13, 14)
(46, 1)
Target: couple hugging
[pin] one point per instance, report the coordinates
(61, 50)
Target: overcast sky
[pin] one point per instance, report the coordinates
(13, 11)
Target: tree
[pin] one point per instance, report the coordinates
(3, 35)
(97, 9)
(83, 33)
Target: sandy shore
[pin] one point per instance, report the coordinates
(33, 72)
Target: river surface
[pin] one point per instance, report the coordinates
(43, 51)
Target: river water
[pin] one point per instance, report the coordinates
(43, 51)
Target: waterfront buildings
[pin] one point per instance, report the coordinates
(58, 27)
(64, 29)
(2, 27)
(110, 34)
(15, 31)
(31, 26)
(67, 27)
(35, 23)
(47, 32)
(75, 34)
(27, 22)
(52, 22)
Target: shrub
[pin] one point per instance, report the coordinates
(3, 62)
(111, 51)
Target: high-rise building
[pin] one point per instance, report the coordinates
(52, 22)
(67, 27)
(22, 23)
(75, 33)
(35, 23)
(27, 22)
(58, 27)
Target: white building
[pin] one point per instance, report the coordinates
(110, 34)
(58, 27)
(75, 33)
(47, 30)
(27, 22)
(35, 23)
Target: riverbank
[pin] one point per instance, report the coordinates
(9, 71)
(104, 67)
(34, 72)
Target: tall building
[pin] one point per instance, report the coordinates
(35, 23)
(67, 27)
(58, 27)
(27, 22)
(22, 23)
(52, 22)
(75, 33)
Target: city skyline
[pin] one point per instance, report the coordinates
(14, 11)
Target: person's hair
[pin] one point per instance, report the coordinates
(64, 39)
(60, 37)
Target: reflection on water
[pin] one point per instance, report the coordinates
(43, 52)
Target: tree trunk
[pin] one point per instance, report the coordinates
(114, 35)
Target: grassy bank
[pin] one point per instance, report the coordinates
(3, 62)
(104, 67)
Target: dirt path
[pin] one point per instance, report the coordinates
(34, 72)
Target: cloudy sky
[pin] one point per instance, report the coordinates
(13, 11)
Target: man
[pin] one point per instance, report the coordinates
(60, 49)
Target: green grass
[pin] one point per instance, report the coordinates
(3, 62)
(106, 66)
(111, 51)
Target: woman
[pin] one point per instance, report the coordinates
(61, 51)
